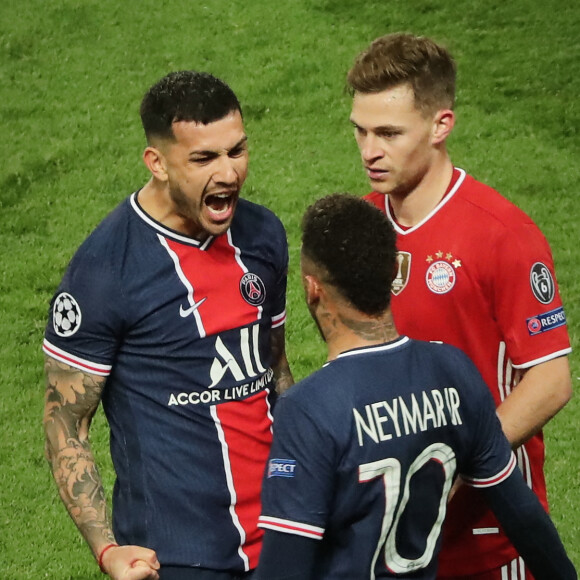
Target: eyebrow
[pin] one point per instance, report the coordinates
(211, 152)
(379, 129)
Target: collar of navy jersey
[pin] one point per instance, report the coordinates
(167, 232)
(398, 342)
(403, 232)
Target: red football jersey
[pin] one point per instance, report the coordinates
(477, 273)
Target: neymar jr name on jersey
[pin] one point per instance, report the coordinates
(402, 416)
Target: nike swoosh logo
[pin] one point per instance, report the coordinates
(183, 312)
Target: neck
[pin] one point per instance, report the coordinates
(413, 206)
(155, 200)
(347, 329)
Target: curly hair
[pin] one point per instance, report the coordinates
(185, 96)
(400, 58)
(354, 244)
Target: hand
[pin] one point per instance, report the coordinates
(456, 485)
(131, 563)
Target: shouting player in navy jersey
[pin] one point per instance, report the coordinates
(365, 450)
(172, 313)
(472, 270)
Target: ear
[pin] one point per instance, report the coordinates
(312, 290)
(443, 124)
(155, 162)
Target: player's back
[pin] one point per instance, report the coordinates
(384, 429)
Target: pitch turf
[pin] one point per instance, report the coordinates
(71, 78)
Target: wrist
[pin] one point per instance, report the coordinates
(102, 554)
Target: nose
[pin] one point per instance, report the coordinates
(370, 147)
(226, 171)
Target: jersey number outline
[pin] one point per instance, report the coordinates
(390, 471)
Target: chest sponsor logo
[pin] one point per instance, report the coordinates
(403, 271)
(281, 468)
(542, 283)
(252, 289)
(66, 315)
(546, 321)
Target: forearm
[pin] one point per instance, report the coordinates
(282, 373)
(80, 488)
(543, 390)
(71, 400)
(530, 529)
(286, 557)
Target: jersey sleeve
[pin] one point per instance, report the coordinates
(489, 457)
(527, 302)
(298, 482)
(85, 317)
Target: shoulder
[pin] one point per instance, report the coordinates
(256, 226)
(109, 233)
(490, 205)
(251, 214)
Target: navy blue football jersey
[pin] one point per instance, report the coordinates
(365, 451)
(181, 330)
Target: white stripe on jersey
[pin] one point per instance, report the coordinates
(190, 290)
(238, 256)
(279, 319)
(494, 480)
(231, 488)
(514, 570)
(75, 361)
(291, 527)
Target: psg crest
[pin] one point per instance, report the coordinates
(66, 315)
(252, 289)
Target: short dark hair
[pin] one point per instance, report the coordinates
(355, 245)
(396, 59)
(185, 96)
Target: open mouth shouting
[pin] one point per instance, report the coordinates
(220, 206)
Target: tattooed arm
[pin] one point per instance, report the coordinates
(71, 400)
(280, 366)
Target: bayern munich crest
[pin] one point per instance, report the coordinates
(440, 277)
(66, 315)
(252, 289)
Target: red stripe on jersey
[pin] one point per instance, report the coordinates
(215, 276)
(247, 429)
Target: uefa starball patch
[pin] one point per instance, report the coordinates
(546, 321)
(66, 315)
(542, 283)
(281, 468)
(252, 289)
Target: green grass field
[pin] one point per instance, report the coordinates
(72, 75)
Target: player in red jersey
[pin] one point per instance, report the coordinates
(473, 271)
(172, 313)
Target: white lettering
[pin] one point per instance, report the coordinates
(369, 428)
(430, 410)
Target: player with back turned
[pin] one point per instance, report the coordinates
(472, 270)
(366, 449)
(172, 313)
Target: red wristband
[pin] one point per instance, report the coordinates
(100, 560)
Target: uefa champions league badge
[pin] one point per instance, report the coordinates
(441, 274)
(66, 315)
(542, 283)
(252, 289)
